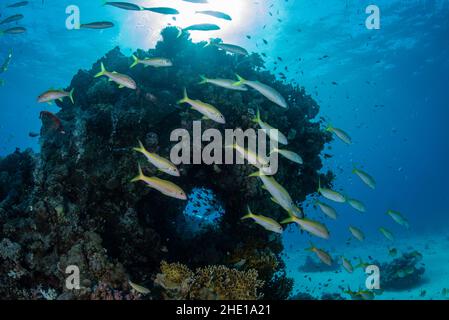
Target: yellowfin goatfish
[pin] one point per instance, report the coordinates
(199, 27)
(162, 164)
(365, 177)
(347, 265)
(321, 254)
(123, 5)
(356, 204)
(327, 209)
(165, 187)
(121, 79)
(97, 25)
(163, 10)
(357, 233)
(268, 223)
(387, 234)
(279, 194)
(232, 48)
(398, 218)
(331, 194)
(139, 288)
(152, 62)
(252, 157)
(273, 133)
(340, 134)
(209, 111)
(14, 30)
(13, 18)
(268, 92)
(51, 95)
(224, 83)
(313, 227)
(18, 4)
(290, 155)
(216, 14)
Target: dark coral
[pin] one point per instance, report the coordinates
(74, 204)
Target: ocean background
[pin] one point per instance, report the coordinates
(387, 88)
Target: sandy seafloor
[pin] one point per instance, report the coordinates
(434, 248)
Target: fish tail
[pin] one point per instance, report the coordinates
(140, 176)
(71, 95)
(141, 148)
(249, 215)
(255, 174)
(185, 98)
(289, 220)
(256, 119)
(180, 30)
(240, 81)
(203, 79)
(102, 72)
(136, 62)
(329, 127)
(209, 43)
(275, 150)
(312, 246)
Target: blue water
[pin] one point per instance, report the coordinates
(390, 92)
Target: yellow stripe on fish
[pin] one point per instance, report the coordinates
(161, 163)
(209, 111)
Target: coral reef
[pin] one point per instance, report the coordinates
(314, 265)
(402, 273)
(73, 204)
(207, 283)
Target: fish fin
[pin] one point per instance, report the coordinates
(290, 219)
(121, 87)
(141, 147)
(136, 61)
(180, 31)
(329, 127)
(185, 98)
(256, 119)
(71, 95)
(204, 118)
(60, 99)
(272, 199)
(240, 81)
(255, 174)
(102, 72)
(249, 215)
(312, 246)
(203, 79)
(140, 175)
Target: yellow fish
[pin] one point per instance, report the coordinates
(327, 209)
(290, 155)
(152, 62)
(356, 204)
(209, 111)
(162, 164)
(268, 223)
(365, 177)
(340, 134)
(121, 79)
(313, 227)
(138, 288)
(357, 233)
(165, 187)
(268, 92)
(331, 194)
(398, 218)
(273, 133)
(223, 83)
(321, 254)
(347, 264)
(387, 234)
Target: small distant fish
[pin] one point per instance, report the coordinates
(52, 95)
(123, 5)
(161, 163)
(6, 63)
(340, 134)
(224, 83)
(313, 227)
(331, 194)
(121, 79)
(398, 218)
(273, 133)
(268, 92)
(163, 10)
(321, 254)
(152, 62)
(357, 233)
(18, 4)
(15, 30)
(216, 14)
(268, 223)
(365, 177)
(290, 155)
(13, 18)
(387, 234)
(347, 264)
(33, 134)
(356, 204)
(232, 48)
(165, 187)
(209, 111)
(327, 209)
(138, 288)
(97, 25)
(200, 27)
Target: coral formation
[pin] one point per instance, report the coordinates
(73, 203)
(402, 273)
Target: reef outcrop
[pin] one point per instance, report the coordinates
(73, 203)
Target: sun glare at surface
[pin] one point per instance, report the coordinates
(142, 29)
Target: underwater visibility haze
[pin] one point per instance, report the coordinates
(353, 93)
